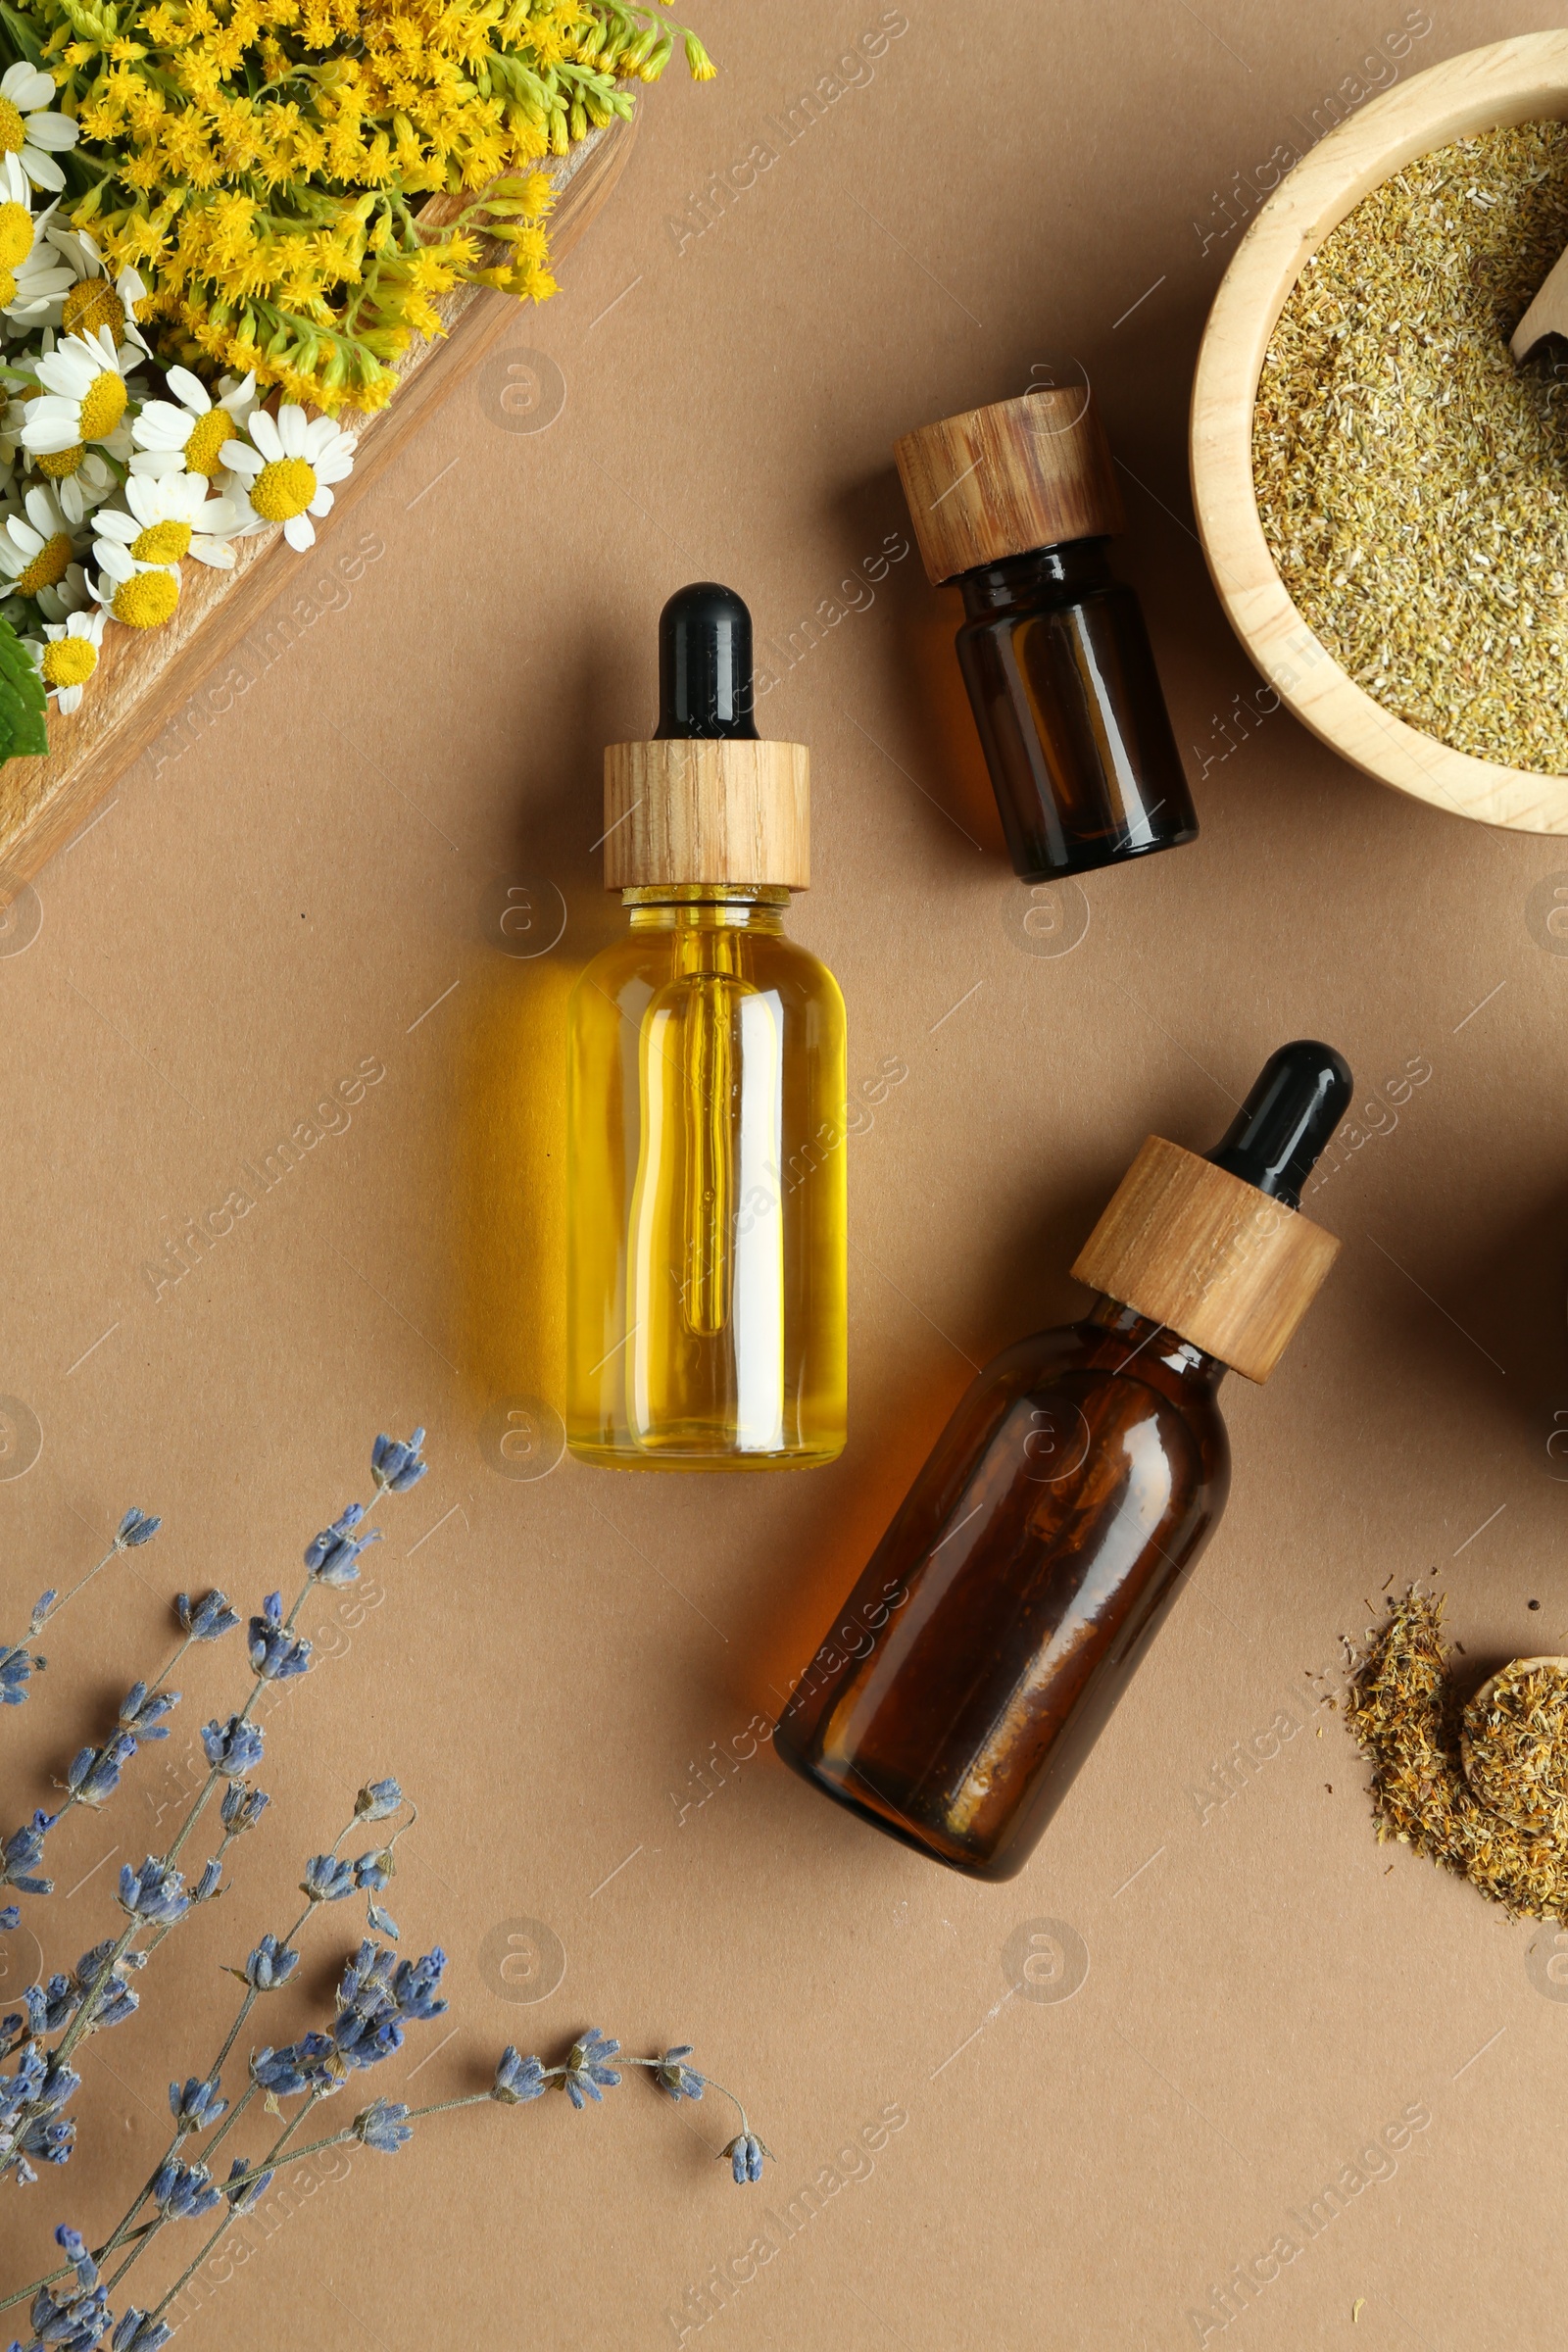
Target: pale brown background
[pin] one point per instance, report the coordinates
(554, 1657)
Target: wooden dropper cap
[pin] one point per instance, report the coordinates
(706, 802)
(1005, 480)
(1216, 1249)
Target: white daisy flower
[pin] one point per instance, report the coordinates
(170, 516)
(69, 658)
(31, 135)
(289, 473)
(84, 394)
(141, 595)
(91, 301)
(82, 480)
(37, 283)
(71, 595)
(37, 546)
(186, 434)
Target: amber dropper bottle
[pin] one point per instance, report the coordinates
(1017, 504)
(707, 1256)
(1003, 1612)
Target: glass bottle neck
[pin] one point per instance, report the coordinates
(707, 906)
(1153, 1351)
(1051, 576)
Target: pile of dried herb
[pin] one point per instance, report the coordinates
(1480, 1790)
(1411, 478)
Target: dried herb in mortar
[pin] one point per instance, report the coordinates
(1480, 1790)
(1411, 478)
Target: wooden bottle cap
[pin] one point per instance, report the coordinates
(696, 809)
(1213, 1259)
(1005, 480)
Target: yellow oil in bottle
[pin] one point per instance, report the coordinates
(706, 1266)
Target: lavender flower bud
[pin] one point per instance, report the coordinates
(206, 1886)
(243, 1807)
(93, 1774)
(276, 1655)
(154, 1892)
(383, 2126)
(135, 1529)
(270, 1964)
(183, 2191)
(232, 1748)
(197, 2105)
(16, 1667)
(327, 1879)
(518, 2079)
(333, 1558)
(744, 2153)
(206, 1619)
(414, 1986)
(376, 1800)
(587, 2070)
(21, 1851)
(10, 1917)
(243, 2199)
(137, 2331)
(145, 1716)
(396, 1464)
(673, 2074)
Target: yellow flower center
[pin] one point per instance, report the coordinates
(69, 662)
(61, 461)
(283, 489)
(147, 599)
(162, 543)
(91, 305)
(15, 234)
(207, 437)
(13, 129)
(49, 564)
(8, 287)
(103, 405)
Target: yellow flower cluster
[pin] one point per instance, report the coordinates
(297, 180)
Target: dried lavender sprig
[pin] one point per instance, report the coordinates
(17, 1662)
(269, 1966)
(517, 2081)
(94, 1774)
(388, 1478)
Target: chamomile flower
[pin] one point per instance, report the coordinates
(91, 300)
(68, 596)
(37, 546)
(32, 134)
(70, 656)
(144, 596)
(170, 516)
(289, 472)
(31, 272)
(187, 434)
(84, 395)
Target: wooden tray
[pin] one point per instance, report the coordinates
(141, 677)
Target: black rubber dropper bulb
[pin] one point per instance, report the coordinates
(1299, 1097)
(705, 664)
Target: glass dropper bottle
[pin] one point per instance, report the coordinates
(707, 1256)
(1003, 1615)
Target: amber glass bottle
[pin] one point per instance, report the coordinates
(1017, 503)
(1003, 1612)
(707, 1256)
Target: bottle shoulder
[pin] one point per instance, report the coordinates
(1090, 1354)
(642, 961)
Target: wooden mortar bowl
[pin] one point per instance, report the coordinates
(1520, 80)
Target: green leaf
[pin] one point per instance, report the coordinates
(23, 705)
